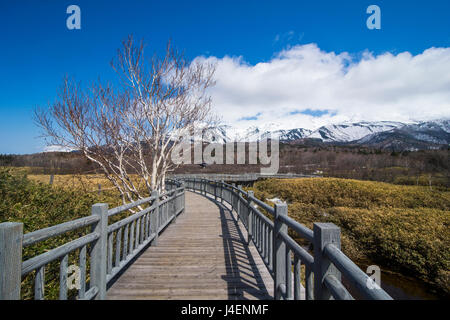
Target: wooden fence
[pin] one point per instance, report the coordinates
(108, 247)
(283, 256)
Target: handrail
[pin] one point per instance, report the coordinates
(337, 288)
(128, 206)
(263, 217)
(264, 205)
(354, 274)
(303, 231)
(112, 246)
(46, 233)
(113, 227)
(47, 257)
(277, 248)
(303, 255)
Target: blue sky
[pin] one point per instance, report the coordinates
(38, 50)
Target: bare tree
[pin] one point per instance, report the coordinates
(129, 128)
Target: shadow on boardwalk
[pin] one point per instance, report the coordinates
(243, 274)
(202, 256)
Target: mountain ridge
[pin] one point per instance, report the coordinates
(394, 135)
(379, 134)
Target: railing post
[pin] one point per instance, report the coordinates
(231, 195)
(234, 186)
(215, 190)
(238, 201)
(183, 202)
(173, 207)
(324, 233)
(250, 216)
(279, 254)
(98, 253)
(221, 190)
(155, 227)
(11, 235)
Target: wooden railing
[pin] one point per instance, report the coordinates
(283, 256)
(110, 247)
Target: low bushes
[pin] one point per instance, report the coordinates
(39, 205)
(333, 192)
(405, 228)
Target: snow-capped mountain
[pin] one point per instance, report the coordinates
(57, 148)
(227, 133)
(422, 135)
(347, 132)
(432, 131)
(380, 134)
(293, 134)
(256, 133)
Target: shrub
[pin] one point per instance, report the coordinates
(333, 192)
(405, 228)
(39, 205)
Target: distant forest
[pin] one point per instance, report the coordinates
(424, 167)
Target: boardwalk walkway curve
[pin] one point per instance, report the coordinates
(200, 239)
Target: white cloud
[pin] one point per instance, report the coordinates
(398, 87)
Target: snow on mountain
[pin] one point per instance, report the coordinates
(293, 134)
(378, 133)
(225, 133)
(347, 132)
(57, 148)
(255, 133)
(422, 135)
(431, 131)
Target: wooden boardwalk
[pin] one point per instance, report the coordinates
(202, 256)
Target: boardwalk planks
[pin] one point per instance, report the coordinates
(203, 256)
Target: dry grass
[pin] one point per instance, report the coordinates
(404, 228)
(83, 182)
(87, 183)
